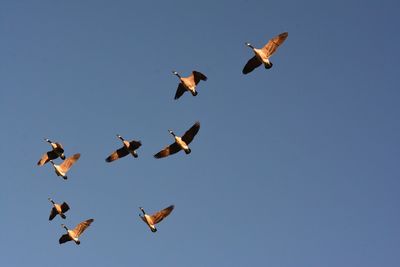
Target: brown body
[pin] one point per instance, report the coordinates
(129, 147)
(152, 220)
(181, 143)
(189, 83)
(57, 151)
(262, 55)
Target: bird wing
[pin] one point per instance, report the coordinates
(273, 44)
(53, 213)
(82, 227)
(64, 238)
(189, 135)
(134, 144)
(47, 157)
(197, 76)
(67, 164)
(180, 91)
(169, 150)
(160, 215)
(122, 152)
(253, 63)
(64, 207)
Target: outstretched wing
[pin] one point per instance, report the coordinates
(253, 63)
(64, 238)
(159, 216)
(273, 44)
(198, 76)
(189, 135)
(180, 91)
(169, 150)
(67, 164)
(53, 213)
(134, 144)
(82, 227)
(122, 152)
(64, 207)
(47, 157)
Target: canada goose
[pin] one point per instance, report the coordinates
(263, 54)
(57, 151)
(58, 209)
(63, 168)
(180, 142)
(129, 147)
(152, 220)
(74, 234)
(189, 83)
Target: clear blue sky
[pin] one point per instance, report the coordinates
(294, 166)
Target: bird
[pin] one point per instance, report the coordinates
(74, 234)
(152, 220)
(57, 151)
(63, 168)
(129, 147)
(189, 83)
(262, 55)
(180, 142)
(58, 209)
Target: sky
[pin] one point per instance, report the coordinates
(293, 166)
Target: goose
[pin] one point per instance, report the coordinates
(262, 55)
(57, 151)
(152, 220)
(180, 142)
(189, 83)
(129, 147)
(58, 209)
(74, 234)
(63, 168)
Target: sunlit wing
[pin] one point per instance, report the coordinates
(180, 91)
(273, 44)
(159, 216)
(82, 227)
(189, 135)
(67, 164)
(253, 63)
(122, 152)
(169, 150)
(197, 76)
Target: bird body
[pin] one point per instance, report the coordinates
(63, 168)
(188, 83)
(181, 143)
(73, 235)
(128, 147)
(57, 151)
(262, 56)
(152, 220)
(58, 209)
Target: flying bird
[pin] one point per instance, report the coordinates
(58, 209)
(180, 142)
(189, 83)
(129, 147)
(152, 220)
(57, 151)
(262, 55)
(73, 235)
(63, 168)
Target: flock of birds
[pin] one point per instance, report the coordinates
(262, 56)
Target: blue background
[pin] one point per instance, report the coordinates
(294, 166)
